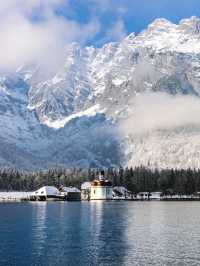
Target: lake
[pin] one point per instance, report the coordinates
(100, 233)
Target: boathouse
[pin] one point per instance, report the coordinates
(46, 193)
(70, 193)
(120, 192)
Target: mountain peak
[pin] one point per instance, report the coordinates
(161, 23)
(190, 25)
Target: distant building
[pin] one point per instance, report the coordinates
(120, 192)
(149, 195)
(98, 189)
(101, 189)
(46, 193)
(143, 195)
(85, 190)
(70, 193)
(155, 195)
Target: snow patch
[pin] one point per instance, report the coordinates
(117, 81)
(56, 80)
(92, 111)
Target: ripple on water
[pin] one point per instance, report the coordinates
(100, 233)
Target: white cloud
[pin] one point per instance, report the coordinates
(160, 111)
(28, 41)
(117, 32)
(27, 7)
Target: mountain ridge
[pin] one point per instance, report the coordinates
(75, 117)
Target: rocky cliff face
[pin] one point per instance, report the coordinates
(75, 118)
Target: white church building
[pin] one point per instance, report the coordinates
(98, 189)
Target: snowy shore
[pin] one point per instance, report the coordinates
(14, 196)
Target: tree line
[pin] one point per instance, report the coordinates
(138, 179)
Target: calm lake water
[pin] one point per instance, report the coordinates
(100, 233)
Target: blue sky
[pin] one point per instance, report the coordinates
(38, 31)
(134, 14)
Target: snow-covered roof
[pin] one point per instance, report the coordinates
(156, 192)
(120, 189)
(86, 185)
(70, 189)
(46, 191)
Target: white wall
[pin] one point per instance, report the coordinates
(98, 192)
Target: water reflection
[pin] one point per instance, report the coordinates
(81, 233)
(39, 222)
(108, 235)
(39, 229)
(162, 233)
(100, 233)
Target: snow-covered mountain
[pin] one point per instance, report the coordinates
(76, 117)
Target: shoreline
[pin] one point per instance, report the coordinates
(117, 200)
(22, 196)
